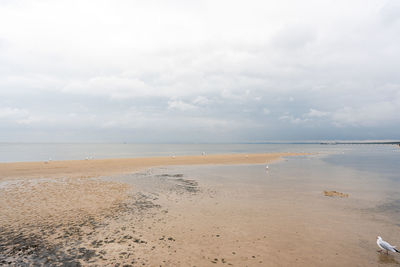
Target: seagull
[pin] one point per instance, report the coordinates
(385, 245)
(266, 165)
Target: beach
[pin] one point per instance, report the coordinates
(208, 210)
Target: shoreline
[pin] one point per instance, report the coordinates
(101, 167)
(184, 215)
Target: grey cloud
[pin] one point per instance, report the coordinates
(293, 38)
(316, 113)
(390, 12)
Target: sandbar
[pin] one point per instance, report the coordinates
(101, 167)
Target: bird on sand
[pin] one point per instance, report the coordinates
(385, 245)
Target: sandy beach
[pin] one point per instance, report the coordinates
(175, 212)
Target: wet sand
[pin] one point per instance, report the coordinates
(206, 215)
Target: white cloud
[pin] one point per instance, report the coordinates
(293, 120)
(180, 105)
(29, 120)
(18, 116)
(293, 38)
(201, 100)
(316, 113)
(371, 115)
(111, 86)
(12, 113)
(266, 111)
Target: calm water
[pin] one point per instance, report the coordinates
(383, 160)
(369, 173)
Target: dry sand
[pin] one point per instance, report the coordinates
(335, 194)
(166, 218)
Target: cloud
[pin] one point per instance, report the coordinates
(201, 100)
(316, 113)
(372, 115)
(293, 120)
(110, 86)
(293, 38)
(130, 68)
(180, 105)
(12, 113)
(390, 12)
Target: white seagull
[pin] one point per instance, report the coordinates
(385, 245)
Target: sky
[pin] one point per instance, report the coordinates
(183, 71)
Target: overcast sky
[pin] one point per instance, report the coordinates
(199, 71)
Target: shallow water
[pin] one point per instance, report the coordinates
(369, 173)
(286, 203)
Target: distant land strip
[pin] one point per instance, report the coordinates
(361, 143)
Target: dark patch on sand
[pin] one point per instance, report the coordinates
(171, 175)
(187, 185)
(18, 249)
(180, 184)
(117, 236)
(70, 244)
(391, 206)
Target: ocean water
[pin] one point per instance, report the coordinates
(382, 160)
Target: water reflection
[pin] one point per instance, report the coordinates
(384, 258)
